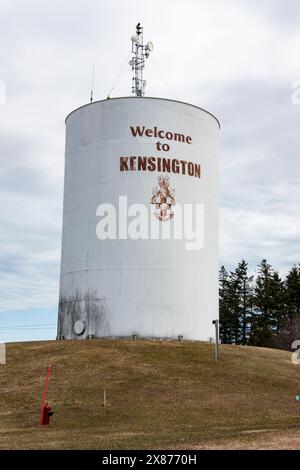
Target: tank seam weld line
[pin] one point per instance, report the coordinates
(132, 268)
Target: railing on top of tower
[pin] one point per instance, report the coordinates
(137, 63)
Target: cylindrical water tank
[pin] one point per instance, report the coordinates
(140, 221)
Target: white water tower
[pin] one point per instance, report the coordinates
(159, 155)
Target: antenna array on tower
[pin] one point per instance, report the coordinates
(137, 63)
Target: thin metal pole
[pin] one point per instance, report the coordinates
(49, 372)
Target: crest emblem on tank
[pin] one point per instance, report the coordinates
(163, 199)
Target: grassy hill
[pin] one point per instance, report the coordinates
(160, 394)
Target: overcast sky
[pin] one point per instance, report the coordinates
(238, 59)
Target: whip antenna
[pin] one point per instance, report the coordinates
(92, 86)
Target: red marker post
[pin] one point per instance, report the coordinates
(46, 408)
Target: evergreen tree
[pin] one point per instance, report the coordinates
(289, 328)
(224, 306)
(292, 292)
(269, 309)
(235, 313)
(235, 304)
(245, 299)
(278, 302)
(264, 314)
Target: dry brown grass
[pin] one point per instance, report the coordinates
(159, 395)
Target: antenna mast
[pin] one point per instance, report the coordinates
(137, 63)
(92, 87)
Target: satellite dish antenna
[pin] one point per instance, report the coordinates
(134, 38)
(150, 46)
